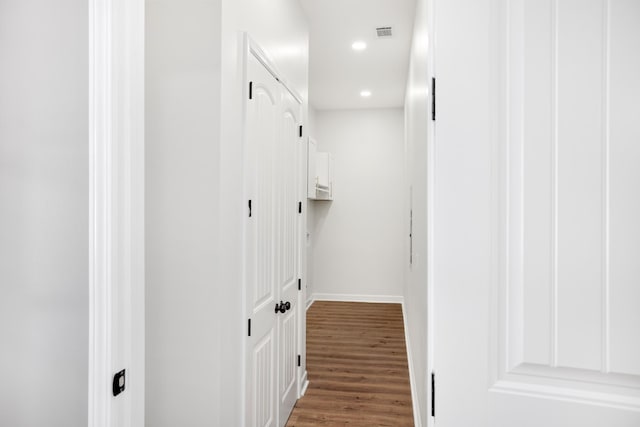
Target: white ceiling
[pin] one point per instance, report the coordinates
(338, 73)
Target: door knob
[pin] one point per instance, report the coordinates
(280, 307)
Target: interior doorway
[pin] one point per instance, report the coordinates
(362, 160)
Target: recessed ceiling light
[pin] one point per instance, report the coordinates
(365, 93)
(359, 45)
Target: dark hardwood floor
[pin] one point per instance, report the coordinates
(357, 366)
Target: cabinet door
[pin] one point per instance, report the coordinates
(311, 168)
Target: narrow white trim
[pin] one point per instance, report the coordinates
(116, 210)
(359, 298)
(417, 420)
(606, 192)
(100, 213)
(554, 186)
(431, 179)
(245, 53)
(264, 58)
(310, 302)
(555, 393)
(305, 383)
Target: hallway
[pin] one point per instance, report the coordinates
(358, 213)
(357, 364)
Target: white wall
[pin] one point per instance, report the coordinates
(182, 196)
(312, 121)
(417, 151)
(44, 207)
(358, 238)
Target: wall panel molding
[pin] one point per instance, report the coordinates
(556, 298)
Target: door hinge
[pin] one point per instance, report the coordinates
(299, 361)
(300, 134)
(299, 207)
(299, 284)
(433, 394)
(433, 99)
(249, 328)
(118, 385)
(250, 209)
(250, 90)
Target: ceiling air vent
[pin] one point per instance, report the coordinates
(384, 31)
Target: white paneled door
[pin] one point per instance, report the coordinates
(262, 135)
(272, 247)
(287, 188)
(554, 336)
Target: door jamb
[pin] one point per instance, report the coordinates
(431, 169)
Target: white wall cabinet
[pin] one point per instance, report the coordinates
(320, 173)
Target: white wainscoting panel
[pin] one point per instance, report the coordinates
(571, 295)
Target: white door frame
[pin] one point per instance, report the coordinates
(116, 211)
(431, 173)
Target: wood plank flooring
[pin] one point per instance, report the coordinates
(357, 366)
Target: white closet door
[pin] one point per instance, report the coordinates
(549, 301)
(288, 249)
(263, 114)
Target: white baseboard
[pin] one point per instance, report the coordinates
(358, 298)
(305, 384)
(417, 420)
(310, 301)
